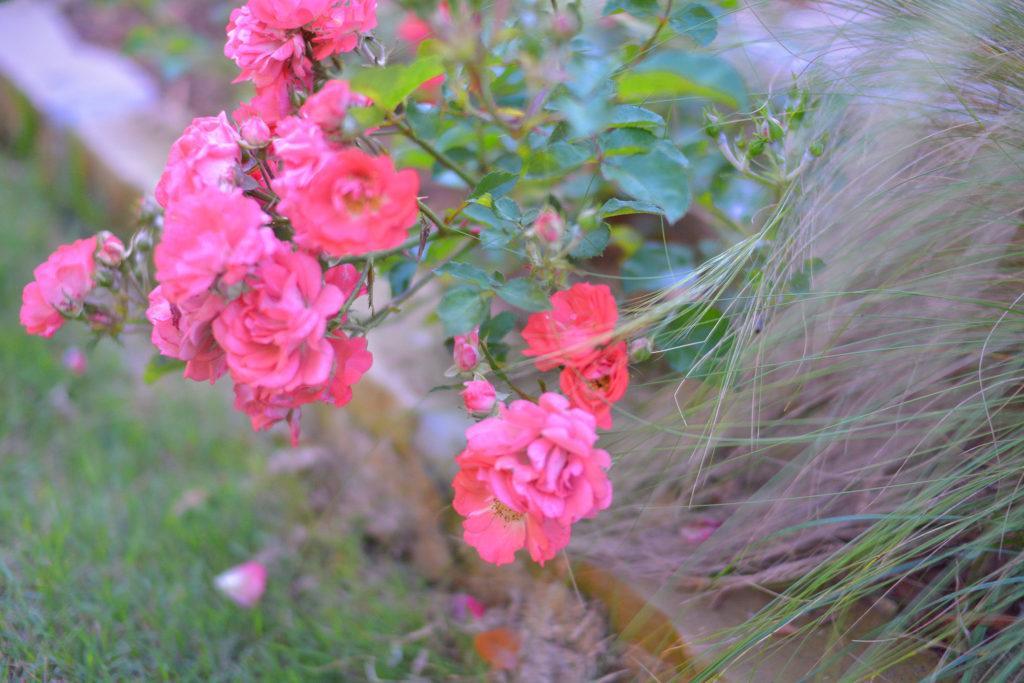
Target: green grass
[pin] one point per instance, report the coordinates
(100, 579)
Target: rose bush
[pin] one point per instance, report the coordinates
(276, 223)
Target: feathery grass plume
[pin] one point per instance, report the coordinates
(860, 438)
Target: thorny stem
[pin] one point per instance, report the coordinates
(393, 305)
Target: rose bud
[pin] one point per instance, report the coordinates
(244, 584)
(109, 249)
(640, 349)
(478, 396)
(255, 132)
(549, 227)
(467, 350)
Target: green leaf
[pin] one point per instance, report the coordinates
(676, 74)
(618, 207)
(461, 309)
(497, 184)
(592, 243)
(556, 160)
(696, 341)
(508, 209)
(525, 294)
(496, 328)
(638, 8)
(659, 177)
(656, 265)
(621, 141)
(388, 87)
(467, 272)
(400, 276)
(159, 366)
(632, 116)
(695, 21)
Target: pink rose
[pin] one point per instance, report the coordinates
(352, 361)
(354, 204)
(243, 584)
(205, 156)
(581, 319)
(288, 13)
(328, 107)
(338, 31)
(267, 407)
(274, 333)
(270, 105)
(184, 331)
(60, 287)
(478, 396)
(466, 351)
(414, 30)
(269, 57)
(526, 476)
(37, 316)
(208, 237)
(302, 148)
(599, 384)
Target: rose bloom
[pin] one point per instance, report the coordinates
(274, 334)
(338, 30)
(413, 29)
(269, 57)
(211, 236)
(183, 331)
(288, 13)
(354, 204)
(466, 351)
(267, 407)
(328, 107)
(60, 287)
(478, 396)
(527, 475)
(205, 156)
(302, 148)
(581, 319)
(269, 105)
(596, 386)
(351, 361)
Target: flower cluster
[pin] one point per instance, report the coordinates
(258, 209)
(527, 475)
(65, 284)
(531, 471)
(274, 44)
(272, 223)
(575, 334)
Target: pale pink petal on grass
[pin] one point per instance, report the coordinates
(244, 584)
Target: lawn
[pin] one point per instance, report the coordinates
(122, 501)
